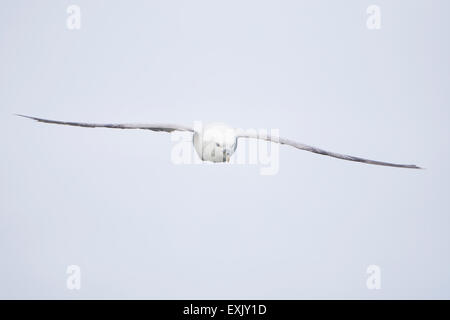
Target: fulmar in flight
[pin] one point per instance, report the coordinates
(217, 142)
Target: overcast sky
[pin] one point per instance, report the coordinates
(139, 226)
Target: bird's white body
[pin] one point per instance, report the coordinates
(215, 143)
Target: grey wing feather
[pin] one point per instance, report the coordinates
(154, 127)
(306, 147)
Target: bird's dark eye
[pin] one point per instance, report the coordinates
(217, 145)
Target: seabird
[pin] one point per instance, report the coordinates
(217, 142)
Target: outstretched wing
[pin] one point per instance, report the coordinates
(306, 147)
(154, 127)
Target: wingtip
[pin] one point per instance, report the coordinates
(22, 115)
(413, 166)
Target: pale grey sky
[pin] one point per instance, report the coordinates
(112, 202)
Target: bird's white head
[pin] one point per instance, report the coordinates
(215, 143)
